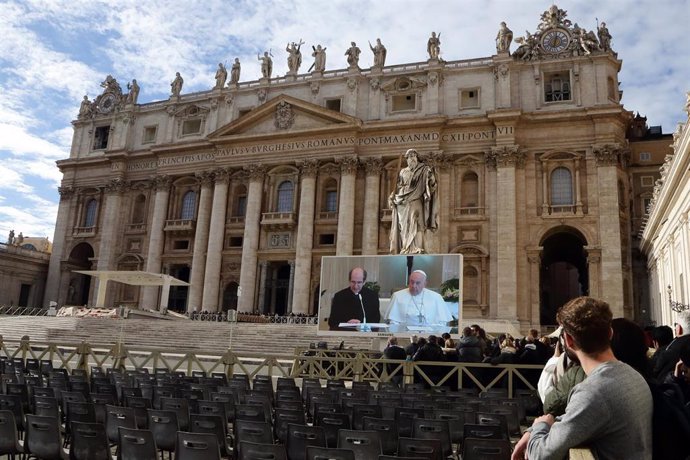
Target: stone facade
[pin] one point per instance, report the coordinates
(241, 190)
(23, 271)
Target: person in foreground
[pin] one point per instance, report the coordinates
(354, 304)
(610, 412)
(417, 305)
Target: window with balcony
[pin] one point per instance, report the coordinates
(139, 210)
(188, 205)
(90, 214)
(469, 194)
(286, 191)
(561, 187)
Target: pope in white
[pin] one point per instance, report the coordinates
(417, 305)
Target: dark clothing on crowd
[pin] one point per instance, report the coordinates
(347, 305)
(394, 352)
(411, 349)
(469, 350)
(666, 362)
(429, 352)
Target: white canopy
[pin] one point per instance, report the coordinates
(133, 278)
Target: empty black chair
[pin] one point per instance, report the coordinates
(21, 390)
(490, 418)
(483, 432)
(511, 413)
(136, 445)
(404, 416)
(164, 426)
(365, 444)
(256, 432)
(140, 405)
(115, 417)
(213, 424)
(433, 429)
(13, 403)
(359, 411)
(212, 408)
(196, 446)
(324, 453)
(68, 397)
(388, 430)
(283, 417)
(252, 412)
(45, 406)
(486, 449)
(80, 412)
(42, 438)
(429, 449)
(456, 422)
(395, 457)
(89, 442)
(9, 440)
(301, 436)
(181, 407)
(256, 451)
(332, 423)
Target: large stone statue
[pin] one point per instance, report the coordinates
(133, 94)
(19, 240)
(587, 40)
(415, 206)
(10, 238)
(379, 54)
(352, 54)
(433, 46)
(221, 76)
(86, 108)
(235, 72)
(604, 37)
(266, 64)
(319, 58)
(294, 60)
(176, 85)
(503, 39)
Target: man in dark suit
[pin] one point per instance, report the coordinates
(667, 359)
(354, 304)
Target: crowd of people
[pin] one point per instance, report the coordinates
(292, 318)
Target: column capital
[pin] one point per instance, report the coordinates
(308, 168)
(204, 178)
(116, 185)
(66, 192)
(608, 154)
(439, 160)
(505, 156)
(348, 164)
(161, 182)
(255, 171)
(221, 175)
(373, 166)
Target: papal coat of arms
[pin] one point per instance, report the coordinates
(285, 116)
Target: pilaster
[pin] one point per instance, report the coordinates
(149, 298)
(247, 289)
(196, 287)
(305, 238)
(214, 256)
(109, 229)
(346, 205)
(370, 227)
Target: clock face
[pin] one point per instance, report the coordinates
(107, 103)
(555, 41)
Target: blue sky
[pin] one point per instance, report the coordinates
(54, 52)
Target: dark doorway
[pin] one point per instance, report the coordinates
(276, 293)
(563, 274)
(80, 285)
(230, 296)
(178, 294)
(24, 295)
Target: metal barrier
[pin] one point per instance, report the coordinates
(22, 311)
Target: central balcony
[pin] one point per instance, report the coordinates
(278, 220)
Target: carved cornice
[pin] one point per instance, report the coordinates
(348, 165)
(308, 168)
(373, 166)
(505, 156)
(66, 192)
(607, 154)
(255, 171)
(116, 185)
(161, 182)
(330, 169)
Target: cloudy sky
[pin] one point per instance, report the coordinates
(53, 52)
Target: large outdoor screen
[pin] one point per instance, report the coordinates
(400, 295)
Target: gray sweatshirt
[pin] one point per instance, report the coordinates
(610, 412)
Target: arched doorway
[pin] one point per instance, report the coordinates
(79, 285)
(230, 296)
(563, 271)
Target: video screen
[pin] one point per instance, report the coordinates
(400, 295)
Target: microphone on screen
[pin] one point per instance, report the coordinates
(364, 313)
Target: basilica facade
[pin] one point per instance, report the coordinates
(241, 189)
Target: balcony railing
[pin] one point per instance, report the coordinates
(328, 216)
(84, 231)
(278, 219)
(177, 225)
(469, 211)
(135, 228)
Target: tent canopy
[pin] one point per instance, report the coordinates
(134, 278)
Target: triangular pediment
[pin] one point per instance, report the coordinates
(285, 115)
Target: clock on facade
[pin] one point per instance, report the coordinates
(107, 103)
(555, 40)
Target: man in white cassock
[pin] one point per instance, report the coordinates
(417, 305)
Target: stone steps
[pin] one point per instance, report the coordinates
(212, 337)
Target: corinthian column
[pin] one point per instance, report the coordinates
(370, 225)
(305, 237)
(149, 298)
(251, 239)
(109, 230)
(506, 158)
(54, 268)
(441, 238)
(346, 206)
(196, 284)
(214, 257)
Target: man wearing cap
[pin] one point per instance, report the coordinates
(354, 304)
(417, 305)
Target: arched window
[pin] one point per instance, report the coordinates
(285, 191)
(330, 196)
(90, 214)
(188, 204)
(561, 187)
(139, 209)
(469, 191)
(470, 284)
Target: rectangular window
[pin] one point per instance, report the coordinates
(149, 134)
(645, 156)
(333, 104)
(331, 201)
(469, 98)
(100, 138)
(557, 87)
(181, 245)
(235, 241)
(404, 102)
(191, 127)
(327, 239)
(647, 181)
(241, 206)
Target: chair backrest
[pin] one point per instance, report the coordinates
(433, 429)
(332, 423)
(181, 407)
(136, 445)
(285, 416)
(196, 446)
(46, 406)
(404, 416)
(115, 417)
(491, 418)
(359, 411)
(42, 437)
(301, 436)
(256, 432)
(14, 404)
(257, 451)
(89, 442)
(388, 430)
(365, 444)
(8, 433)
(214, 424)
(483, 432)
(324, 453)
(395, 457)
(423, 448)
(206, 407)
(456, 422)
(486, 449)
(251, 412)
(163, 425)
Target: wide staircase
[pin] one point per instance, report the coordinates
(212, 337)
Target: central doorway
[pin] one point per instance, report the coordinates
(563, 272)
(177, 301)
(277, 289)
